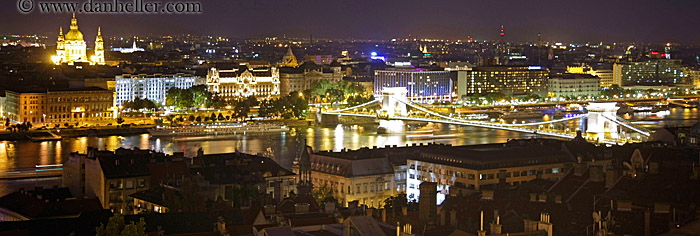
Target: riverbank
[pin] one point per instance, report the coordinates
(72, 133)
(115, 131)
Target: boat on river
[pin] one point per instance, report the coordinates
(218, 129)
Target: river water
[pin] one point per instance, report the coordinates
(283, 147)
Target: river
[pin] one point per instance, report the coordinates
(283, 147)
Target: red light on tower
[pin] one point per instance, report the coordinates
(503, 33)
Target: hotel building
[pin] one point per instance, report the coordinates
(248, 79)
(151, 87)
(422, 85)
(508, 80)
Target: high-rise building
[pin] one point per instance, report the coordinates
(259, 80)
(422, 85)
(651, 72)
(151, 87)
(72, 48)
(509, 80)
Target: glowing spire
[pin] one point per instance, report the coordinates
(60, 28)
(99, 31)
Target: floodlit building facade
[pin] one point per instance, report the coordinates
(71, 48)
(574, 86)
(151, 87)
(84, 105)
(422, 85)
(508, 80)
(651, 72)
(261, 81)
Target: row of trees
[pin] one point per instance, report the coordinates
(195, 96)
(333, 92)
(138, 104)
(292, 105)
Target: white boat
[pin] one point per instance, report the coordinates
(223, 129)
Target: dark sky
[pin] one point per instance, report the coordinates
(558, 20)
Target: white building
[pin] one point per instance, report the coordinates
(574, 85)
(151, 87)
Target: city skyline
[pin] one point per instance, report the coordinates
(641, 21)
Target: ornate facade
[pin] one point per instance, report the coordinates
(72, 48)
(259, 80)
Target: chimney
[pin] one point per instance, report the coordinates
(596, 173)
(610, 177)
(545, 224)
(496, 228)
(530, 225)
(481, 231)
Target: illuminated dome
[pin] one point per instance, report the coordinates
(74, 34)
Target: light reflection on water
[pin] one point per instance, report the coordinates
(284, 146)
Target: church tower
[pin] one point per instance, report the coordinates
(60, 48)
(99, 57)
(289, 59)
(305, 186)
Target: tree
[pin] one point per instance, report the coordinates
(200, 95)
(119, 121)
(243, 107)
(266, 108)
(220, 117)
(139, 104)
(212, 117)
(199, 119)
(323, 193)
(191, 118)
(117, 227)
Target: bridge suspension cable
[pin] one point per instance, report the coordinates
(353, 108)
(495, 124)
(645, 133)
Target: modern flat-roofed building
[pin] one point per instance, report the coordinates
(652, 72)
(150, 87)
(422, 85)
(508, 80)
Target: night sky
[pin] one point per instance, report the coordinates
(558, 20)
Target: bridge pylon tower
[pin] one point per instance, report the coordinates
(599, 123)
(394, 101)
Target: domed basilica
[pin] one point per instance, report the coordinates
(71, 48)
